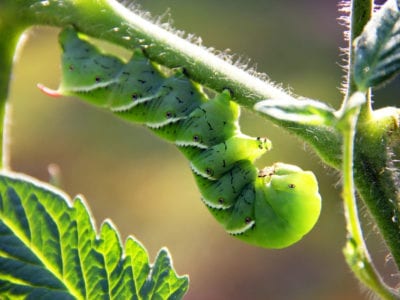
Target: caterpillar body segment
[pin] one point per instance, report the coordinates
(215, 161)
(211, 123)
(178, 97)
(139, 81)
(273, 207)
(221, 194)
(84, 58)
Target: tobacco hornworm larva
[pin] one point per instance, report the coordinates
(271, 208)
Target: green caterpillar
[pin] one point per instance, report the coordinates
(273, 207)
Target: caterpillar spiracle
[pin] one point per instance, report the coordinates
(273, 207)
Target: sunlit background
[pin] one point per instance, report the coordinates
(145, 185)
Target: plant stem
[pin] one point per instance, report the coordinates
(368, 150)
(110, 20)
(375, 182)
(10, 35)
(355, 251)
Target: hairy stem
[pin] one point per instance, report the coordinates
(109, 20)
(374, 180)
(355, 251)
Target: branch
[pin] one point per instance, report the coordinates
(109, 20)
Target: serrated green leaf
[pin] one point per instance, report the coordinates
(377, 49)
(161, 282)
(49, 249)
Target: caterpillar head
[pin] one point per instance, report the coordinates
(287, 206)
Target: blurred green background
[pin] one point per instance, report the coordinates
(145, 186)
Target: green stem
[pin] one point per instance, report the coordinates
(355, 251)
(375, 182)
(109, 20)
(10, 35)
